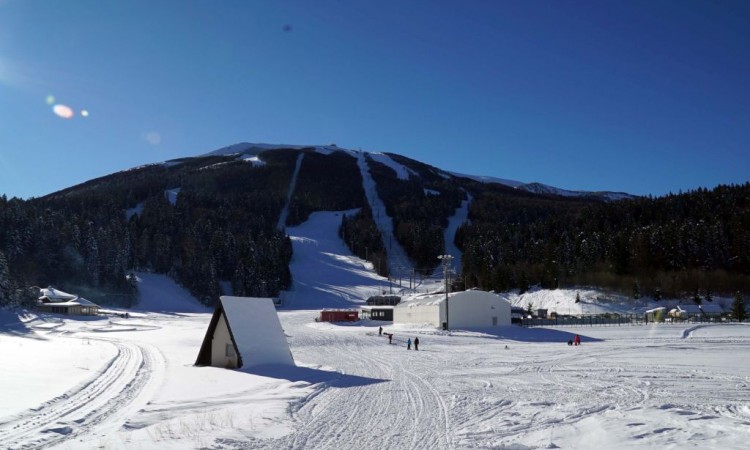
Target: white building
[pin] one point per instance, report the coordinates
(467, 309)
(656, 314)
(55, 301)
(692, 310)
(244, 332)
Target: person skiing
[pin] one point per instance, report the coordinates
(416, 343)
(380, 331)
(408, 344)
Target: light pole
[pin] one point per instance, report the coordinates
(446, 260)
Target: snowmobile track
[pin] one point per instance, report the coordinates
(79, 410)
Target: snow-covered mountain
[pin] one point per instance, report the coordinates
(246, 148)
(539, 188)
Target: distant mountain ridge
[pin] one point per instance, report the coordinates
(246, 148)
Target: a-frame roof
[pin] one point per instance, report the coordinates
(255, 330)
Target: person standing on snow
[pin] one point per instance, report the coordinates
(390, 338)
(408, 344)
(380, 331)
(416, 343)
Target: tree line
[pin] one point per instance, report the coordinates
(676, 245)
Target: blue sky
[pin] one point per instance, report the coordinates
(647, 97)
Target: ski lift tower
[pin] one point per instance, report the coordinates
(446, 260)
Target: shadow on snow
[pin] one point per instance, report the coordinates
(521, 334)
(312, 376)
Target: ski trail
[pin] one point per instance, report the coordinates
(316, 243)
(399, 264)
(292, 186)
(399, 408)
(459, 217)
(106, 396)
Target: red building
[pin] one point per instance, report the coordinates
(339, 315)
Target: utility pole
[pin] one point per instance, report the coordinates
(446, 260)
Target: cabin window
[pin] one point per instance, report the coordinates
(230, 351)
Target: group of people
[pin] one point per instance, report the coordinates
(575, 341)
(408, 341)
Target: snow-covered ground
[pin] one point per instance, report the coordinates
(116, 383)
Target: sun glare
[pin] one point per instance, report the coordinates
(63, 111)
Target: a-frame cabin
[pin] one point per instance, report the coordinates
(244, 332)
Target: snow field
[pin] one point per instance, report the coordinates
(625, 387)
(620, 389)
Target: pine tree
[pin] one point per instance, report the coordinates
(523, 284)
(5, 288)
(738, 308)
(636, 290)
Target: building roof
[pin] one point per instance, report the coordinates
(60, 298)
(436, 299)
(371, 307)
(55, 295)
(660, 308)
(423, 300)
(384, 300)
(78, 301)
(708, 308)
(255, 330)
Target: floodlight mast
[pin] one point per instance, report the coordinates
(446, 260)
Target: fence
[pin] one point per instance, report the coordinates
(620, 320)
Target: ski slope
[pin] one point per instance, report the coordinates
(292, 186)
(398, 261)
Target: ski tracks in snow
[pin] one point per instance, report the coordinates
(105, 397)
(398, 408)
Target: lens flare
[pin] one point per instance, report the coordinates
(50, 99)
(63, 111)
(84, 113)
(153, 138)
